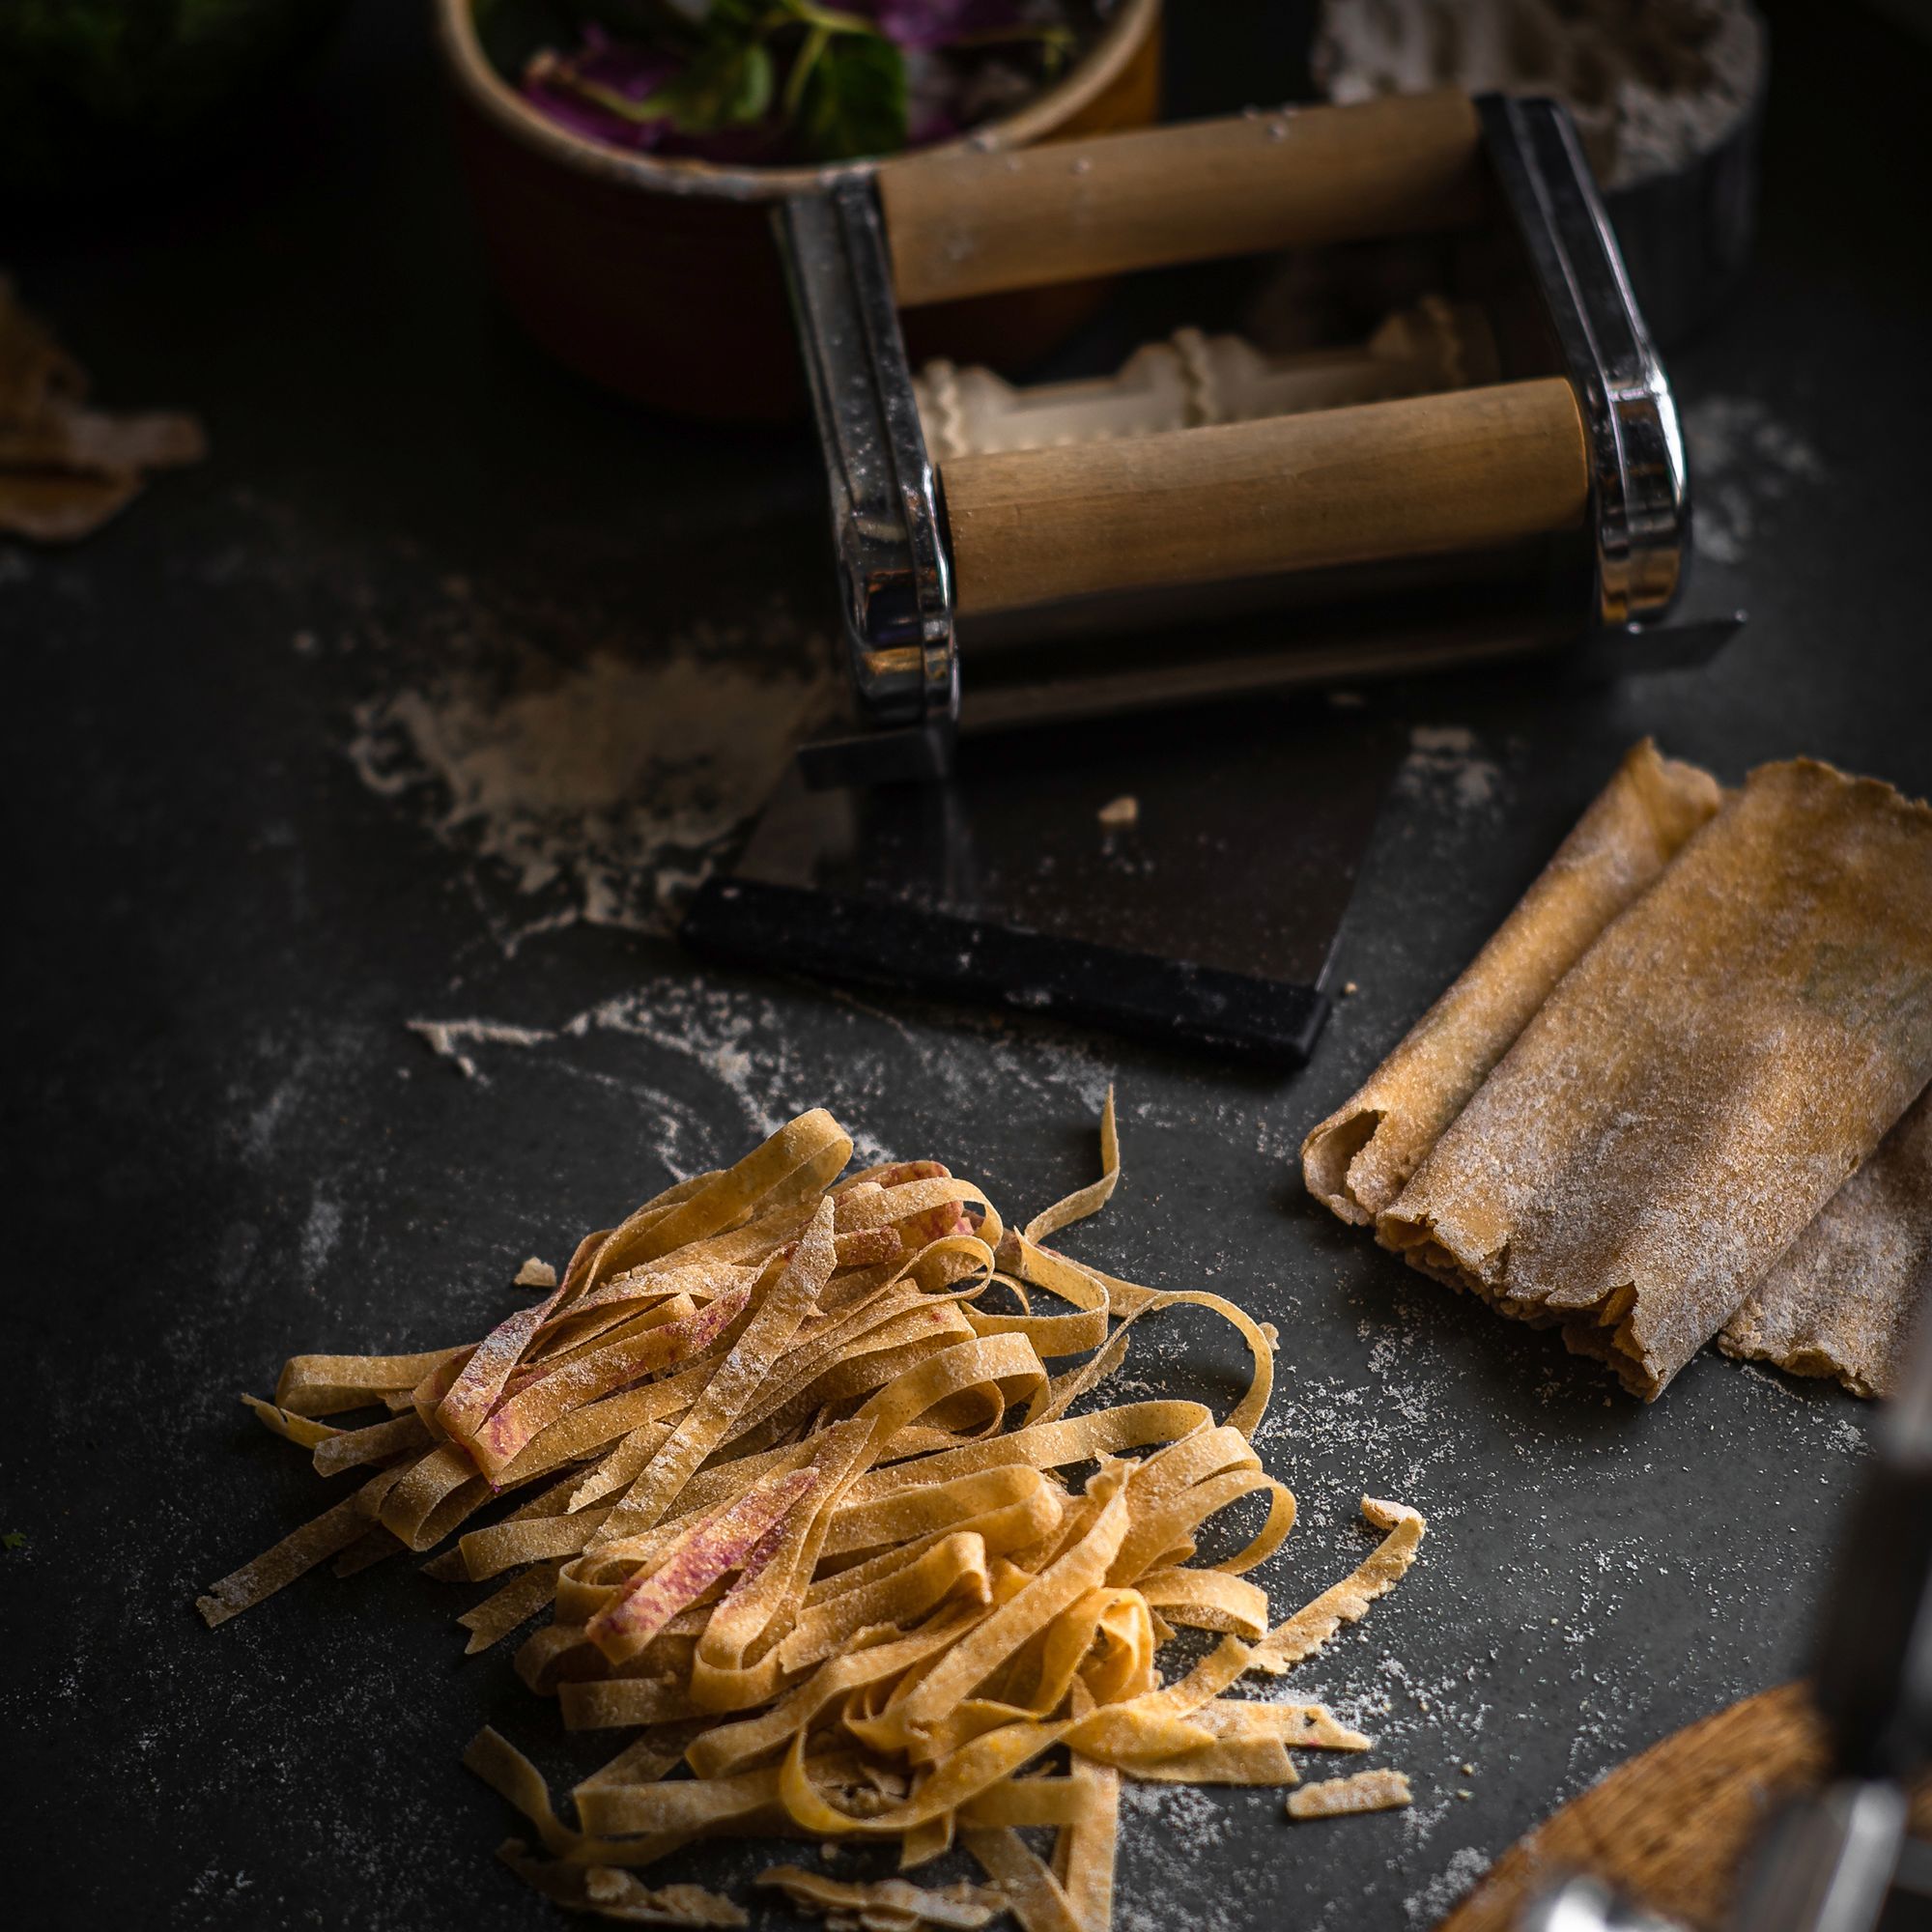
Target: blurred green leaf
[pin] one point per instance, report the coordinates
(854, 101)
(728, 84)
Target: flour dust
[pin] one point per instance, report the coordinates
(597, 791)
(1743, 459)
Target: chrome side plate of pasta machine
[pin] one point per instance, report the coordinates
(1082, 768)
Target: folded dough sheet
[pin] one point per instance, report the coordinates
(1701, 1021)
(1842, 1299)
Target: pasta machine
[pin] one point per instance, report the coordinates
(1151, 595)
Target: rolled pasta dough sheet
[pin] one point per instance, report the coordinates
(1700, 1083)
(1359, 1159)
(1848, 1294)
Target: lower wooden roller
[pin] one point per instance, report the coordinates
(1425, 475)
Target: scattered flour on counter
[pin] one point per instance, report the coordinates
(264, 1121)
(1444, 757)
(718, 1030)
(1457, 1878)
(214, 1885)
(1845, 1435)
(446, 1039)
(730, 1034)
(735, 1036)
(322, 1230)
(1171, 1829)
(602, 786)
(1741, 459)
(1186, 1813)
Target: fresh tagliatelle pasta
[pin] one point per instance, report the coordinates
(818, 1527)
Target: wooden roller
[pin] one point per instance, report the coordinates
(968, 224)
(1422, 476)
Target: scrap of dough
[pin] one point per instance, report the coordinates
(607, 1892)
(962, 1906)
(1360, 1157)
(535, 1274)
(1700, 1083)
(1341, 1797)
(1844, 1299)
(66, 469)
(295, 1556)
(1347, 1602)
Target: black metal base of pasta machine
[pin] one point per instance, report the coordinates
(1205, 924)
(980, 870)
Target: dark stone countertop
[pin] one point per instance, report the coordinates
(238, 878)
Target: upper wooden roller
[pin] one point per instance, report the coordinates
(968, 224)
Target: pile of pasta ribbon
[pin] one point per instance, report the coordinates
(806, 1519)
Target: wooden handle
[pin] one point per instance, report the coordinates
(1673, 1827)
(1416, 478)
(966, 224)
